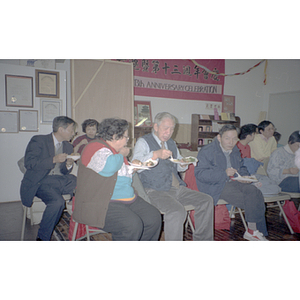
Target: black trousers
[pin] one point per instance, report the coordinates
(51, 189)
(136, 221)
(248, 197)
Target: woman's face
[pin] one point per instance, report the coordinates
(269, 131)
(91, 131)
(122, 142)
(294, 147)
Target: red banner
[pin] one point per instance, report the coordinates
(178, 78)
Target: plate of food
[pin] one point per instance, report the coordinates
(74, 156)
(150, 163)
(185, 160)
(245, 178)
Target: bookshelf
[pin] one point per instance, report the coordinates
(205, 128)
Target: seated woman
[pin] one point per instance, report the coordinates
(282, 168)
(104, 196)
(90, 128)
(264, 142)
(266, 185)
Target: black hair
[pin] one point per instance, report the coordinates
(294, 137)
(62, 121)
(246, 130)
(277, 136)
(112, 126)
(89, 122)
(263, 124)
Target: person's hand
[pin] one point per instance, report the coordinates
(59, 158)
(69, 162)
(230, 172)
(124, 151)
(162, 154)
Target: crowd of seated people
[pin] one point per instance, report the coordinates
(105, 175)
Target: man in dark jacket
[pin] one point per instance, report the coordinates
(47, 173)
(218, 163)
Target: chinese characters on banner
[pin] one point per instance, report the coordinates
(178, 78)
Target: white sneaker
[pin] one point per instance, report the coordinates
(256, 236)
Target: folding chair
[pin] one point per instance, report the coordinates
(90, 231)
(278, 198)
(293, 196)
(28, 212)
(231, 213)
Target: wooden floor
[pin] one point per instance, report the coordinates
(11, 214)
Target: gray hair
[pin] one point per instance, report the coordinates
(228, 127)
(164, 115)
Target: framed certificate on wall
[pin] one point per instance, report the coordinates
(9, 121)
(50, 109)
(47, 84)
(19, 91)
(28, 120)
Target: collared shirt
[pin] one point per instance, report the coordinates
(264, 138)
(142, 151)
(55, 141)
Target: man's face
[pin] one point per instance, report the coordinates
(165, 130)
(68, 133)
(228, 139)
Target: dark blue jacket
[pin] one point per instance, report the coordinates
(38, 163)
(210, 171)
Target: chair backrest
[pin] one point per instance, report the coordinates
(21, 165)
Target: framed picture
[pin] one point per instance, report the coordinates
(47, 84)
(9, 121)
(19, 91)
(28, 120)
(142, 113)
(49, 110)
(228, 104)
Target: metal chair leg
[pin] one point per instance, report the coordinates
(243, 219)
(23, 222)
(87, 232)
(285, 217)
(75, 231)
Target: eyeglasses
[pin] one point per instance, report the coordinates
(127, 137)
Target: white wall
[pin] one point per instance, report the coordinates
(13, 145)
(252, 96)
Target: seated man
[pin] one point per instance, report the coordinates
(164, 186)
(47, 173)
(218, 163)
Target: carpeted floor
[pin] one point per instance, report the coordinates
(278, 230)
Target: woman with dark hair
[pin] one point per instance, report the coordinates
(90, 128)
(282, 168)
(105, 197)
(247, 134)
(264, 142)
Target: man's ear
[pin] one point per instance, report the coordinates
(155, 127)
(219, 138)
